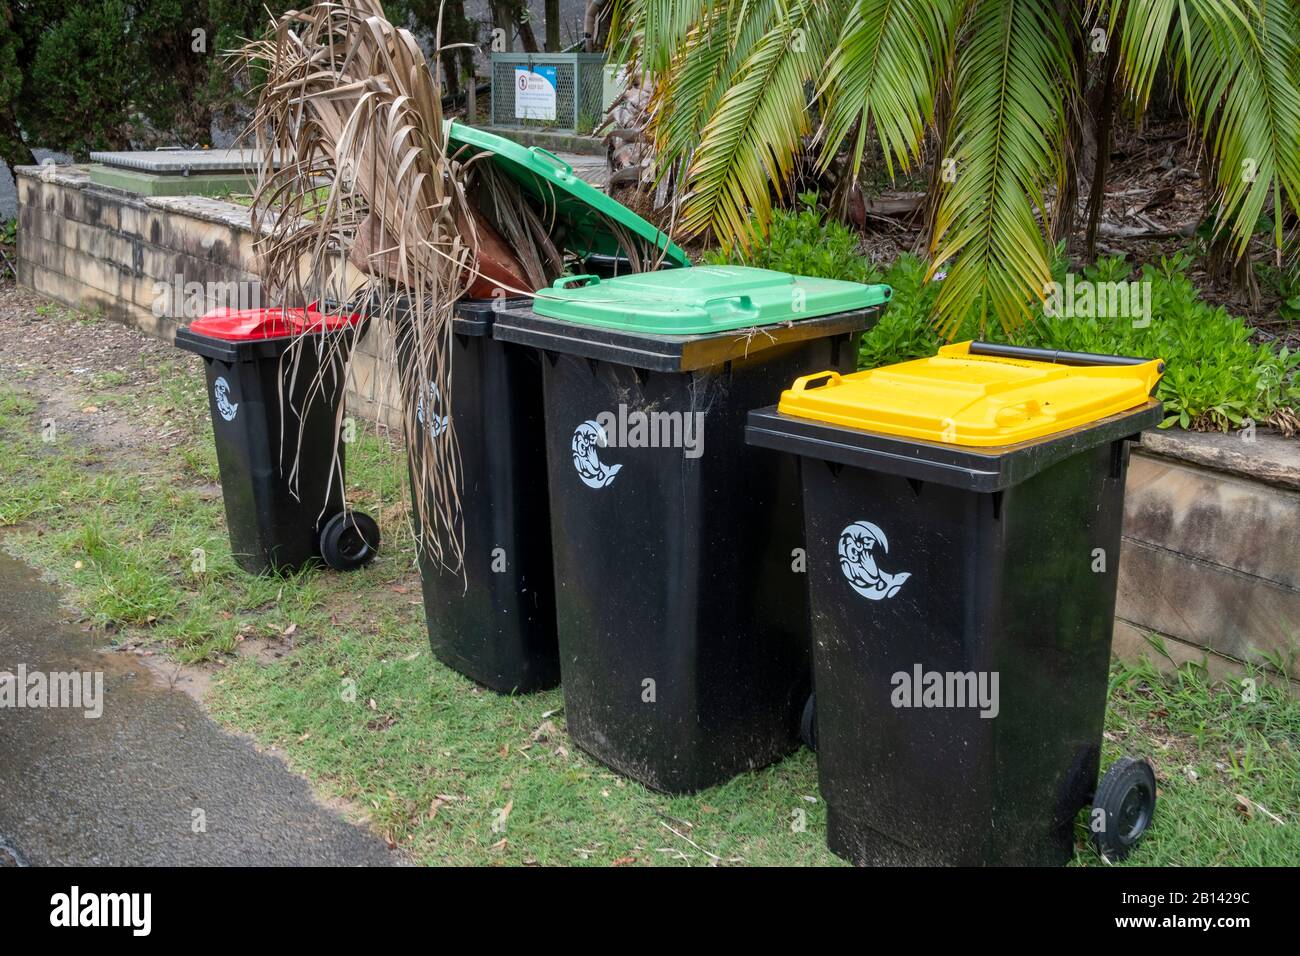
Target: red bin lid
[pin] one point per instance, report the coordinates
(243, 325)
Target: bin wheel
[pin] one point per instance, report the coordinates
(349, 540)
(1126, 798)
(808, 723)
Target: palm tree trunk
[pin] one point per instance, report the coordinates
(1067, 190)
(1105, 116)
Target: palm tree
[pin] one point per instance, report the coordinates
(742, 87)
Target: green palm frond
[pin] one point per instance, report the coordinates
(884, 69)
(1243, 88)
(700, 75)
(1013, 79)
(1147, 27)
(749, 144)
(653, 31)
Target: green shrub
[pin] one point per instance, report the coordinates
(904, 330)
(804, 243)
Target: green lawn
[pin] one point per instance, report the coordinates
(436, 763)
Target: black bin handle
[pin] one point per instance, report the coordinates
(1058, 356)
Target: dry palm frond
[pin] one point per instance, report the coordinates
(350, 127)
(360, 199)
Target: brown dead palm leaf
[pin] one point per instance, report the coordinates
(360, 199)
(350, 130)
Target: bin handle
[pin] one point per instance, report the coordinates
(565, 281)
(724, 306)
(543, 151)
(997, 350)
(801, 383)
(1030, 408)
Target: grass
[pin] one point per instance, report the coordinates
(455, 774)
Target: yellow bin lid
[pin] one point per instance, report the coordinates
(983, 400)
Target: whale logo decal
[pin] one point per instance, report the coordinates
(437, 423)
(858, 542)
(221, 392)
(587, 437)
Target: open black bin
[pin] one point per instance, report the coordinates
(495, 621)
(681, 605)
(963, 519)
(262, 416)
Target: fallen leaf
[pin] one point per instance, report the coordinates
(499, 845)
(1244, 806)
(624, 860)
(288, 631)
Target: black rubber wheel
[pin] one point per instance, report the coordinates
(808, 723)
(349, 540)
(1126, 799)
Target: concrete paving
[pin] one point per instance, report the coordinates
(153, 781)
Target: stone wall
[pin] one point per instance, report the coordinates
(1211, 557)
(1211, 561)
(103, 250)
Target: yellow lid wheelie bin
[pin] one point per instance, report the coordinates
(962, 520)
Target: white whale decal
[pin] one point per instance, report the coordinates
(587, 437)
(437, 423)
(857, 542)
(221, 392)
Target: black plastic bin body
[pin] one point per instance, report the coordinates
(495, 622)
(1011, 558)
(274, 517)
(682, 619)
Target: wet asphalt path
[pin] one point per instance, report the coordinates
(123, 789)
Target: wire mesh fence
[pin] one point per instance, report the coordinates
(560, 91)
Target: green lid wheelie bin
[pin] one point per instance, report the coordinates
(275, 386)
(680, 599)
(963, 516)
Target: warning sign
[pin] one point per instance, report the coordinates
(535, 92)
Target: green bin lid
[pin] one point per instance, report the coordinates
(701, 300)
(551, 181)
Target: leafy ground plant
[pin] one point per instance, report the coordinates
(804, 242)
